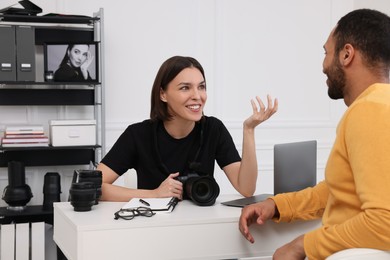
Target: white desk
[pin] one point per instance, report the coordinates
(189, 232)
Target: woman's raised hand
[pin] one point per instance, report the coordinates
(260, 112)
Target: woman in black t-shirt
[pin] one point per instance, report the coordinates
(178, 139)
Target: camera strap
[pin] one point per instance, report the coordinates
(191, 165)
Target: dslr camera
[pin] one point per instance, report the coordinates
(203, 190)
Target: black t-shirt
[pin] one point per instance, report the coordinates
(69, 73)
(154, 154)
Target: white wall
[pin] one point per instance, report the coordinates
(247, 47)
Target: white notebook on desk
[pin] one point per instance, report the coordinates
(155, 204)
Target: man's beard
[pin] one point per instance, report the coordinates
(336, 81)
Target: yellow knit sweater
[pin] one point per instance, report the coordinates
(354, 198)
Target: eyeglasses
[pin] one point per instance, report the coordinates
(129, 214)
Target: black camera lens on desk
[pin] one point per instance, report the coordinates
(82, 196)
(202, 190)
(93, 176)
(85, 183)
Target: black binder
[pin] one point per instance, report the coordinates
(7, 53)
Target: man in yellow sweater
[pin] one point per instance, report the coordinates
(354, 198)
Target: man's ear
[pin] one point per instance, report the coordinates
(347, 54)
(162, 95)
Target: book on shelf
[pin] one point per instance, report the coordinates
(25, 140)
(23, 132)
(9, 136)
(24, 129)
(25, 145)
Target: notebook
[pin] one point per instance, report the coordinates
(295, 168)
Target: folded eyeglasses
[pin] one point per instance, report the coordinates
(131, 213)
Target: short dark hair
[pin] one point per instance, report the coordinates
(167, 72)
(369, 32)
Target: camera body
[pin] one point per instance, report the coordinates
(203, 190)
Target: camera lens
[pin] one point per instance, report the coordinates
(51, 190)
(202, 190)
(95, 177)
(82, 196)
(17, 194)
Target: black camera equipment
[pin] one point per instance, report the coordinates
(93, 176)
(203, 190)
(86, 189)
(82, 196)
(51, 190)
(17, 194)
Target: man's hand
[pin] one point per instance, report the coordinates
(256, 213)
(291, 251)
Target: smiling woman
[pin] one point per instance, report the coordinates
(179, 140)
(185, 99)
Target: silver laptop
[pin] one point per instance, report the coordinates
(295, 168)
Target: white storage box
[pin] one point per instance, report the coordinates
(72, 132)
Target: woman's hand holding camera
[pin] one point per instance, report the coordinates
(170, 187)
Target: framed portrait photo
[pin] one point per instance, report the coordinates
(71, 62)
